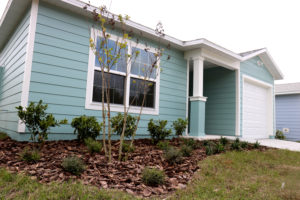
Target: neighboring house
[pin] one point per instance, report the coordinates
(45, 55)
(288, 110)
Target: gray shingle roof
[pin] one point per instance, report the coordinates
(288, 88)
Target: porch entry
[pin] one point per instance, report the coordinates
(215, 112)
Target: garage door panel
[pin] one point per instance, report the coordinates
(255, 111)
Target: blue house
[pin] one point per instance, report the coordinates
(44, 54)
(288, 110)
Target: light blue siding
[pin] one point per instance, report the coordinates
(59, 72)
(219, 88)
(251, 68)
(12, 59)
(288, 115)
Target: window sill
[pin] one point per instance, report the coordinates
(120, 108)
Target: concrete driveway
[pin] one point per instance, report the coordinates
(279, 144)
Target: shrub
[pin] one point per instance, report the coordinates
(186, 151)
(126, 148)
(236, 145)
(153, 177)
(163, 145)
(219, 148)
(158, 130)
(3, 136)
(73, 164)
(223, 141)
(173, 156)
(180, 125)
(189, 142)
(256, 145)
(92, 145)
(37, 121)
(244, 145)
(118, 121)
(206, 142)
(30, 155)
(279, 135)
(210, 148)
(86, 127)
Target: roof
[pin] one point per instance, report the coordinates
(15, 10)
(288, 88)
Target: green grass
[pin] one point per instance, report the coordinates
(246, 175)
(232, 175)
(19, 187)
(3, 136)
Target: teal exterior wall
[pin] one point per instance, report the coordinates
(251, 68)
(220, 90)
(12, 61)
(60, 65)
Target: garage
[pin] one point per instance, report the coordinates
(257, 109)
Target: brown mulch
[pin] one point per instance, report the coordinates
(116, 175)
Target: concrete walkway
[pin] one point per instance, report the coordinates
(279, 144)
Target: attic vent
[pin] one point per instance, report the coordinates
(259, 63)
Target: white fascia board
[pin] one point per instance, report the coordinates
(5, 12)
(286, 93)
(254, 54)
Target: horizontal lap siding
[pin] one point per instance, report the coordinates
(60, 65)
(288, 115)
(219, 88)
(12, 59)
(251, 68)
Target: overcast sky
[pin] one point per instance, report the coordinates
(238, 25)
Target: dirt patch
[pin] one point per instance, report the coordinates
(125, 176)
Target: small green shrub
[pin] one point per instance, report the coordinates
(37, 121)
(219, 148)
(173, 156)
(92, 145)
(30, 155)
(206, 142)
(186, 151)
(117, 123)
(86, 127)
(210, 148)
(126, 148)
(244, 145)
(236, 145)
(256, 145)
(180, 125)
(163, 145)
(73, 164)
(190, 142)
(223, 141)
(279, 135)
(158, 130)
(153, 177)
(3, 136)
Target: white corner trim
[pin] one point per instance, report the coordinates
(187, 94)
(28, 59)
(198, 98)
(90, 105)
(237, 95)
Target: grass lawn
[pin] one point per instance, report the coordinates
(273, 174)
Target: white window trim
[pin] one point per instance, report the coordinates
(90, 105)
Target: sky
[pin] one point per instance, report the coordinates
(238, 25)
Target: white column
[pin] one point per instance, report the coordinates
(198, 77)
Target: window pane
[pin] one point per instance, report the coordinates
(116, 87)
(140, 87)
(121, 64)
(142, 66)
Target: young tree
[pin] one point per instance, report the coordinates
(109, 54)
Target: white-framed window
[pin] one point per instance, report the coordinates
(135, 89)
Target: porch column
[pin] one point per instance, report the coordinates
(197, 115)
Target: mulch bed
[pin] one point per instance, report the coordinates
(116, 175)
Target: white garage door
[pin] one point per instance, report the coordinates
(256, 105)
